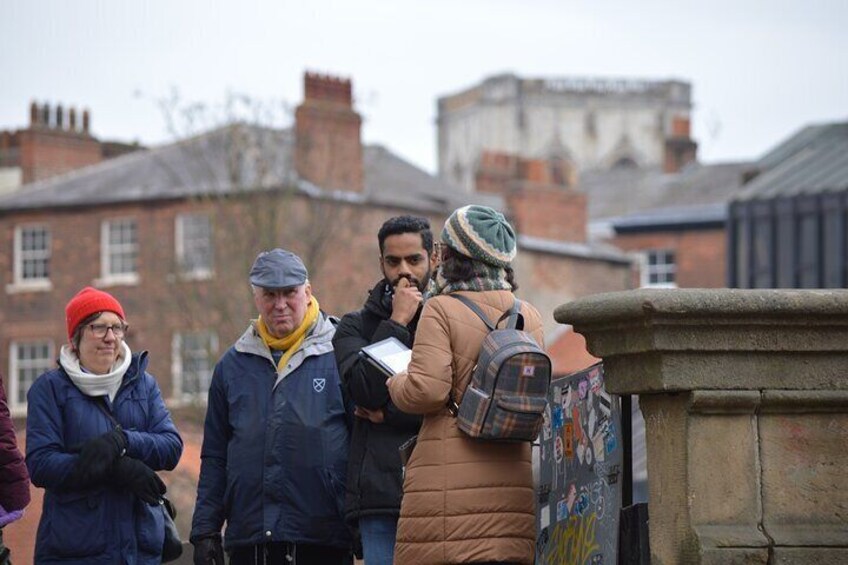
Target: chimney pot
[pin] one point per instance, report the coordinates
(86, 121)
(33, 113)
(328, 89)
(72, 119)
(45, 115)
(60, 117)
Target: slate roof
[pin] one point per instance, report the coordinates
(391, 180)
(622, 192)
(813, 161)
(233, 159)
(591, 250)
(201, 165)
(208, 164)
(807, 137)
(647, 199)
(673, 218)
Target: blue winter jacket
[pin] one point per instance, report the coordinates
(103, 524)
(275, 447)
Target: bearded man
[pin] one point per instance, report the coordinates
(374, 477)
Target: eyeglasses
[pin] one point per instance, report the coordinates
(100, 330)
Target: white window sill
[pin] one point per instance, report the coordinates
(196, 276)
(43, 285)
(19, 411)
(116, 280)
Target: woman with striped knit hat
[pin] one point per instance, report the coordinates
(464, 500)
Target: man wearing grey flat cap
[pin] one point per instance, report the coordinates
(275, 441)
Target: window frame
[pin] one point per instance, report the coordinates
(181, 249)
(647, 268)
(178, 360)
(20, 256)
(107, 277)
(17, 407)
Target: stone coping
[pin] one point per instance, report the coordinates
(644, 304)
(661, 340)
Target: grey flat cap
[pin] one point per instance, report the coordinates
(278, 268)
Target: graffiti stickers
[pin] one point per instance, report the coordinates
(579, 493)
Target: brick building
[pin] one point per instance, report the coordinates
(674, 225)
(777, 222)
(54, 143)
(172, 231)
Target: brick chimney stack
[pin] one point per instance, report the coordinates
(51, 145)
(680, 150)
(328, 148)
(540, 196)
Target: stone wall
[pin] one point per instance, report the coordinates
(745, 399)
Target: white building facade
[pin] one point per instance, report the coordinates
(588, 123)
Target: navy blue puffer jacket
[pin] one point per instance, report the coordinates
(103, 524)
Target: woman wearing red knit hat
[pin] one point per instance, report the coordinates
(97, 430)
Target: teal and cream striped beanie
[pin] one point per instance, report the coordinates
(481, 233)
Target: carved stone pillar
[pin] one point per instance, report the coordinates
(745, 399)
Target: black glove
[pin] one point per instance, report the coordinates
(139, 478)
(208, 550)
(96, 457)
(98, 454)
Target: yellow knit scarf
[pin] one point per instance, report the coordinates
(291, 342)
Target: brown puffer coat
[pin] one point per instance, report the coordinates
(464, 500)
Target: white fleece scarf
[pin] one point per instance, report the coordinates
(91, 384)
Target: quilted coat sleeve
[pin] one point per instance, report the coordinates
(160, 445)
(424, 388)
(47, 457)
(209, 507)
(14, 479)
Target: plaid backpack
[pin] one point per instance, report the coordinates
(506, 397)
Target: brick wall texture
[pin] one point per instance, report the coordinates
(700, 254)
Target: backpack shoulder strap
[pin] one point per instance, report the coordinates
(476, 309)
(513, 316)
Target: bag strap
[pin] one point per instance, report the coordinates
(514, 317)
(476, 309)
(100, 402)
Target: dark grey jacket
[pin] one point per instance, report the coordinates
(375, 483)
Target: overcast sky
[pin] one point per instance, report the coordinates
(760, 70)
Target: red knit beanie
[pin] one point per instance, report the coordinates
(89, 301)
